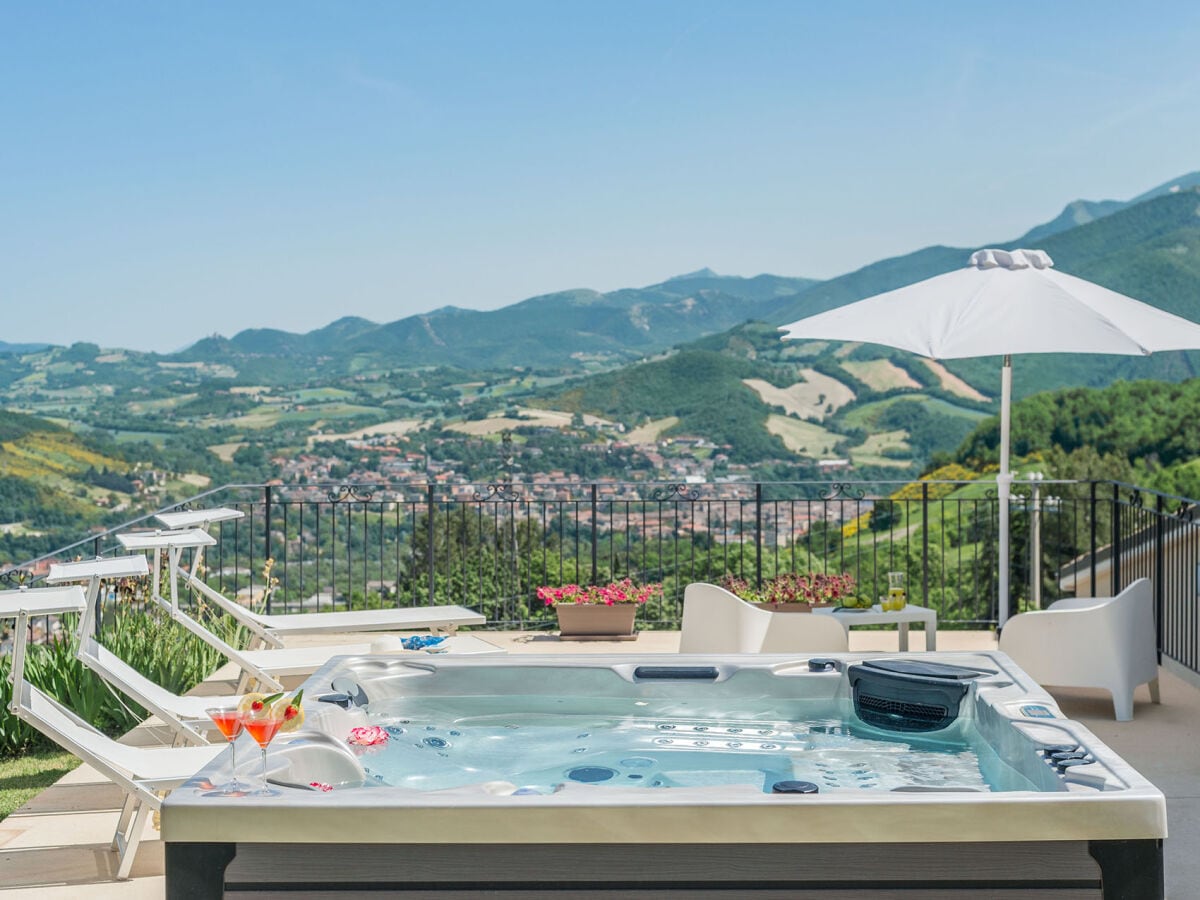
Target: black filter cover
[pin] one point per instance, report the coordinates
(923, 669)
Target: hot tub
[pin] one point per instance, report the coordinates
(687, 776)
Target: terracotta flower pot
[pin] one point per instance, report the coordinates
(596, 621)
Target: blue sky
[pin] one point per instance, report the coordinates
(169, 171)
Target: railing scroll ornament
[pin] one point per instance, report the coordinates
(16, 576)
(351, 492)
(842, 491)
(687, 492)
(498, 493)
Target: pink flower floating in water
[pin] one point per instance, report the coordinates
(321, 786)
(368, 736)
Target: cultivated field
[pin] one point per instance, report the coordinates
(870, 451)
(650, 432)
(814, 398)
(805, 438)
(880, 374)
(952, 382)
(396, 426)
(535, 418)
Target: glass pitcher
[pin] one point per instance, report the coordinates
(897, 595)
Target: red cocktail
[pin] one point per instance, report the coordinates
(262, 724)
(229, 721)
(263, 730)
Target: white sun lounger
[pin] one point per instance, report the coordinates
(140, 772)
(186, 716)
(268, 630)
(306, 660)
(173, 544)
(258, 664)
(198, 518)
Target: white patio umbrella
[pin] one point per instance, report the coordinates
(1003, 302)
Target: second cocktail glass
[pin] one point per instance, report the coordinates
(262, 725)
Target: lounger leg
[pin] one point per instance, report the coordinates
(131, 802)
(1154, 695)
(132, 839)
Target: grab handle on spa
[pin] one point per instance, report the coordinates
(676, 673)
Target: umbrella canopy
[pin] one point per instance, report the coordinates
(1003, 302)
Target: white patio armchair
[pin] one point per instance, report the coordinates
(716, 621)
(1101, 642)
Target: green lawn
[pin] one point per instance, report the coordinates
(28, 775)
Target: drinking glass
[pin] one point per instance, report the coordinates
(229, 720)
(263, 725)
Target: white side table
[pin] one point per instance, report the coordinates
(901, 618)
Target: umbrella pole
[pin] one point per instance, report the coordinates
(1003, 483)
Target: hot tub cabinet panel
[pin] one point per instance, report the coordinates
(1054, 869)
(1079, 824)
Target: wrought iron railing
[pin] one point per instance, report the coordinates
(490, 546)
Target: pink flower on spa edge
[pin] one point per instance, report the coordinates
(367, 736)
(321, 786)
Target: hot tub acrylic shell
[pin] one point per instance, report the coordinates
(1104, 803)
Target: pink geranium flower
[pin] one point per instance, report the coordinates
(623, 591)
(368, 736)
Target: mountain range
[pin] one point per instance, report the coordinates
(550, 330)
(1147, 247)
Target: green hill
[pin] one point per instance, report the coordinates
(50, 480)
(1151, 425)
(703, 389)
(1150, 251)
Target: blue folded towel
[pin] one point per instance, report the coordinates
(421, 641)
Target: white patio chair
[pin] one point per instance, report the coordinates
(1105, 642)
(716, 621)
(140, 772)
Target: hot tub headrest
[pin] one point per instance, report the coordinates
(313, 757)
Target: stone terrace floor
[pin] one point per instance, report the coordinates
(56, 847)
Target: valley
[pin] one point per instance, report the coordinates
(686, 380)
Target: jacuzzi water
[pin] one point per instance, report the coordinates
(447, 744)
